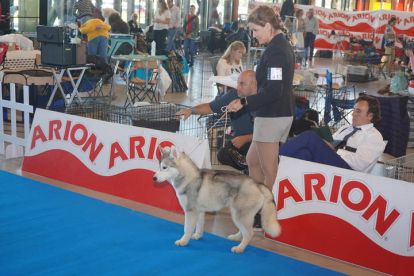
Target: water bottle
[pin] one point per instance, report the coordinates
(153, 46)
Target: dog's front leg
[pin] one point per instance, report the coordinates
(189, 226)
(200, 226)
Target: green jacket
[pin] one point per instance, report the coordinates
(195, 28)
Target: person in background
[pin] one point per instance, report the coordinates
(83, 10)
(390, 37)
(191, 29)
(300, 29)
(134, 29)
(98, 35)
(361, 143)
(231, 61)
(134, 25)
(291, 23)
(161, 20)
(241, 121)
(175, 23)
(311, 29)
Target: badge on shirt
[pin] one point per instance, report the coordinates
(274, 74)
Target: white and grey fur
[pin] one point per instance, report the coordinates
(202, 190)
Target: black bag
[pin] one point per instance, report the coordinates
(326, 54)
(390, 44)
(98, 67)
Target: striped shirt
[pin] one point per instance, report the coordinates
(83, 8)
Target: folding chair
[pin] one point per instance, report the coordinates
(375, 62)
(214, 60)
(98, 74)
(341, 72)
(340, 102)
(143, 82)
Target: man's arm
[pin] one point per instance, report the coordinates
(201, 109)
(241, 140)
(315, 31)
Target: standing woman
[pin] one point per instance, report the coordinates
(390, 43)
(161, 20)
(274, 102)
(300, 29)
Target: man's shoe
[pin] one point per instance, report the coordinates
(257, 225)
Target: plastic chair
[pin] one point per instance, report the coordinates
(214, 60)
(339, 101)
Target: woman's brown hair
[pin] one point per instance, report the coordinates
(264, 14)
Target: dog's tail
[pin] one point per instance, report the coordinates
(269, 215)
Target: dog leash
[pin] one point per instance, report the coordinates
(225, 116)
(225, 111)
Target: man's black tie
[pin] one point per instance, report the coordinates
(343, 143)
(351, 133)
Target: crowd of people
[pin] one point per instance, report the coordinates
(264, 96)
(262, 107)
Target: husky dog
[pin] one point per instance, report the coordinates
(201, 190)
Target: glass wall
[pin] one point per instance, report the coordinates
(25, 15)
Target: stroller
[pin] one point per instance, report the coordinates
(174, 67)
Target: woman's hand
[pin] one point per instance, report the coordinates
(234, 106)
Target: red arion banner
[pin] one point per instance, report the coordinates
(368, 25)
(356, 217)
(111, 158)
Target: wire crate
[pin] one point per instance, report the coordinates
(401, 168)
(159, 116)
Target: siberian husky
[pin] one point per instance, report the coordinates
(201, 190)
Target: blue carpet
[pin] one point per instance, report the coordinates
(45, 230)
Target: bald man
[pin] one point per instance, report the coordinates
(241, 121)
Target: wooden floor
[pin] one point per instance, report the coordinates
(219, 223)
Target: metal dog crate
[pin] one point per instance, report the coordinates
(159, 116)
(401, 168)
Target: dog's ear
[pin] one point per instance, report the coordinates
(174, 153)
(164, 151)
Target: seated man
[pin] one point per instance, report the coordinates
(361, 146)
(242, 121)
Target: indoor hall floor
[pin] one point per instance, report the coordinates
(219, 223)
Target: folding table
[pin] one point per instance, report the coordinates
(59, 74)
